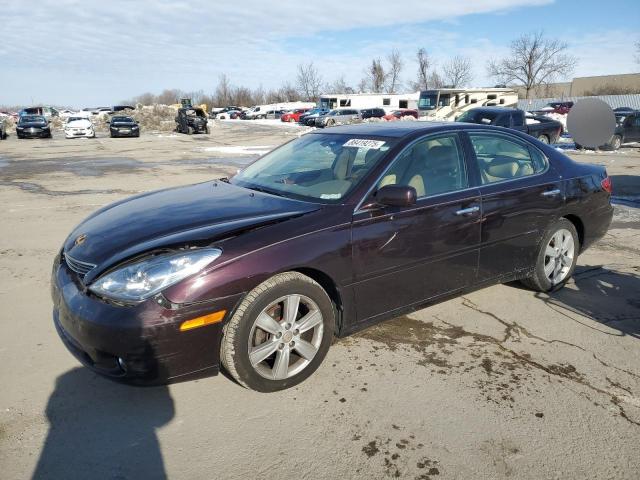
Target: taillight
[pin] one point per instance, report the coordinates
(607, 184)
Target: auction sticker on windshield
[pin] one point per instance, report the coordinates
(364, 143)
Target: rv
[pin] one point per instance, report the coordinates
(388, 101)
(449, 103)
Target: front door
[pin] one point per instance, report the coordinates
(404, 256)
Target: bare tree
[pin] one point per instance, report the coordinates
(376, 76)
(424, 63)
(458, 71)
(434, 80)
(169, 97)
(363, 86)
(339, 85)
(395, 67)
(533, 60)
(224, 91)
(309, 81)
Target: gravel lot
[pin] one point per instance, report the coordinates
(500, 383)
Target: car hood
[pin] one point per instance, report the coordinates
(191, 215)
(79, 124)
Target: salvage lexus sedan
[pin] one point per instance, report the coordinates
(30, 126)
(330, 233)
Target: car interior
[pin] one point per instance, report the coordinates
(501, 159)
(431, 166)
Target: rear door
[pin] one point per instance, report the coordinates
(404, 256)
(521, 195)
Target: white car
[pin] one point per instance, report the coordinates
(79, 127)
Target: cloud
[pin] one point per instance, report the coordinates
(80, 52)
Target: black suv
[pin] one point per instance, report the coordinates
(372, 113)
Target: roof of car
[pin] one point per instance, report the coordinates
(390, 129)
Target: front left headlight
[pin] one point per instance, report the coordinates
(142, 280)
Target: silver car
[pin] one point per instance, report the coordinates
(339, 116)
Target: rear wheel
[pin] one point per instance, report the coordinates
(279, 334)
(543, 139)
(556, 259)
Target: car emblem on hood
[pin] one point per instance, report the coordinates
(80, 240)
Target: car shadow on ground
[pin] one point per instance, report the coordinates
(102, 429)
(606, 296)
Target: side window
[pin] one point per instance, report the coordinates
(500, 158)
(636, 121)
(432, 166)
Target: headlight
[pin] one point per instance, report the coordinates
(139, 281)
(134, 127)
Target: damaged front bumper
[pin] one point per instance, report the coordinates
(140, 344)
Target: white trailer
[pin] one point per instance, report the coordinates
(388, 101)
(449, 103)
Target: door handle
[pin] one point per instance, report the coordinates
(551, 193)
(468, 211)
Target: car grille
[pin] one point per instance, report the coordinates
(81, 268)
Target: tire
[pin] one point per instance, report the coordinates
(615, 142)
(544, 139)
(242, 331)
(206, 130)
(331, 122)
(292, 120)
(189, 130)
(558, 233)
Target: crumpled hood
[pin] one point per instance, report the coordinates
(200, 213)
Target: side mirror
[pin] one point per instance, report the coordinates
(396, 196)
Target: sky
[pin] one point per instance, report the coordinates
(96, 53)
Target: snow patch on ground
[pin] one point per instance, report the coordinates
(241, 149)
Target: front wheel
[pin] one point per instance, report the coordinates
(279, 334)
(544, 139)
(556, 259)
(615, 142)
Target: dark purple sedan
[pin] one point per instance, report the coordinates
(326, 235)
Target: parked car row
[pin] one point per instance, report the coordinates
(37, 126)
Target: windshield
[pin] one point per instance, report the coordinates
(477, 116)
(316, 167)
(429, 101)
(620, 119)
(75, 119)
(32, 118)
(122, 119)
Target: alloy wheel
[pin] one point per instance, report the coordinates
(558, 256)
(285, 337)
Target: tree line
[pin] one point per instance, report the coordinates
(533, 60)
